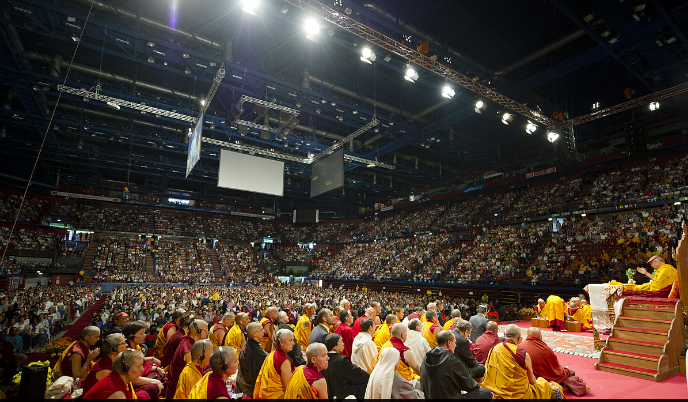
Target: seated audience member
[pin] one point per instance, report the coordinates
(540, 311)
(251, 359)
(112, 346)
(486, 342)
(415, 340)
(198, 329)
(235, 336)
(306, 382)
(444, 376)
(433, 326)
(408, 366)
(455, 316)
(383, 332)
(478, 322)
(168, 330)
(324, 320)
(8, 363)
(509, 371)
(277, 368)
(118, 384)
(363, 349)
(78, 358)
(344, 330)
(219, 330)
(18, 344)
(386, 383)
(118, 322)
(223, 364)
(343, 377)
(369, 313)
(546, 364)
(173, 343)
(193, 371)
(463, 352)
(661, 280)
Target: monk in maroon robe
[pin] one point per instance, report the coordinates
(485, 342)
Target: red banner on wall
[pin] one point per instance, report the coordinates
(541, 172)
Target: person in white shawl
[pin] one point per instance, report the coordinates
(415, 340)
(363, 349)
(386, 383)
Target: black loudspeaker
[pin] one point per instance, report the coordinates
(33, 380)
(636, 143)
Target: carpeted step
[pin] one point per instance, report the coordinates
(658, 324)
(630, 359)
(622, 369)
(632, 345)
(640, 334)
(649, 312)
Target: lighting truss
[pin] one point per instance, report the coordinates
(346, 139)
(268, 105)
(377, 39)
(123, 103)
(213, 88)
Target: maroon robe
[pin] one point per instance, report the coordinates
(482, 346)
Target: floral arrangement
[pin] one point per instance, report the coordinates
(55, 348)
(492, 315)
(630, 273)
(16, 380)
(527, 311)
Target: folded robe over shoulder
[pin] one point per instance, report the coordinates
(545, 362)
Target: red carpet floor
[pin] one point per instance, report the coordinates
(526, 324)
(74, 330)
(605, 385)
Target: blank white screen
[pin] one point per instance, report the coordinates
(250, 173)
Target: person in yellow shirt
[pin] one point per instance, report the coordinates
(663, 277)
(304, 326)
(224, 363)
(193, 372)
(455, 317)
(383, 332)
(235, 336)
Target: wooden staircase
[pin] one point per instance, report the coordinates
(90, 257)
(646, 340)
(150, 263)
(217, 270)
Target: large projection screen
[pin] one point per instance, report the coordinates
(327, 174)
(194, 152)
(250, 173)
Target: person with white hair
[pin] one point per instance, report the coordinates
(415, 340)
(386, 383)
(306, 382)
(118, 384)
(277, 368)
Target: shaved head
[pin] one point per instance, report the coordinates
(535, 332)
(398, 329)
(252, 328)
(491, 326)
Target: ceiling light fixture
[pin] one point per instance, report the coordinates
(249, 6)
(367, 55)
(448, 92)
(507, 118)
(479, 106)
(311, 26)
(654, 106)
(552, 136)
(531, 127)
(411, 74)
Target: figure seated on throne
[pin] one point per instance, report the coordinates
(660, 283)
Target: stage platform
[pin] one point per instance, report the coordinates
(572, 343)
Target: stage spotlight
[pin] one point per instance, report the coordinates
(113, 105)
(249, 6)
(479, 106)
(367, 55)
(531, 127)
(448, 92)
(654, 106)
(312, 26)
(411, 74)
(552, 136)
(507, 118)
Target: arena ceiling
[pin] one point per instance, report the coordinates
(552, 55)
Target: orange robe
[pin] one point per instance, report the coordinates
(266, 341)
(299, 386)
(269, 382)
(302, 333)
(187, 379)
(381, 336)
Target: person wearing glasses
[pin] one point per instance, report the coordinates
(198, 330)
(444, 376)
(113, 345)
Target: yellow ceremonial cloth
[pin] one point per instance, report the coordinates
(200, 390)
(664, 276)
(298, 387)
(269, 382)
(57, 369)
(422, 318)
(213, 337)
(187, 379)
(587, 312)
(404, 370)
(428, 335)
(381, 336)
(579, 315)
(161, 340)
(234, 337)
(555, 308)
(448, 324)
(507, 380)
(541, 312)
(265, 341)
(302, 333)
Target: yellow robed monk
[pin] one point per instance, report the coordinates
(661, 280)
(383, 333)
(277, 368)
(540, 309)
(556, 312)
(409, 368)
(224, 362)
(306, 382)
(193, 371)
(509, 371)
(455, 317)
(304, 327)
(235, 336)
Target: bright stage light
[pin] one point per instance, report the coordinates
(249, 6)
(368, 55)
(531, 127)
(654, 106)
(312, 26)
(448, 92)
(479, 105)
(507, 118)
(411, 74)
(552, 136)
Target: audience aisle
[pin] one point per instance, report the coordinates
(74, 330)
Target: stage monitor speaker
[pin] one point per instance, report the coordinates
(33, 380)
